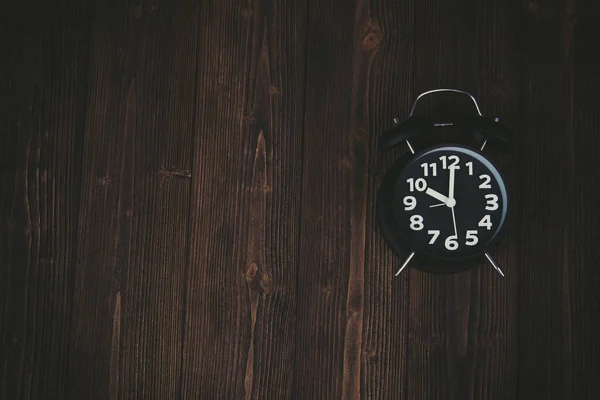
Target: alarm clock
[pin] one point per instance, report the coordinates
(444, 207)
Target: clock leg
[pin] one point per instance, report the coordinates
(494, 264)
(410, 147)
(483, 145)
(410, 256)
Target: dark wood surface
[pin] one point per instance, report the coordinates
(188, 190)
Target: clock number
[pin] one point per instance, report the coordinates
(410, 203)
(455, 163)
(471, 238)
(486, 222)
(470, 167)
(435, 234)
(492, 202)
(486, 181)
(426, 168)
(416, 223)
(455, 160)
(451, 243)
(420, 184)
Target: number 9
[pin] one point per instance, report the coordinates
(410, 202)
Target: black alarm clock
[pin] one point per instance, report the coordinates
(444, 207)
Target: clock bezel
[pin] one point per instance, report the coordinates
(400, 242)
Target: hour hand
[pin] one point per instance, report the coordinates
(437, 195)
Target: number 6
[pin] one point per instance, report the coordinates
(451, 243)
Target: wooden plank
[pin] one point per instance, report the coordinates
(43, 78)
(494, 335)
(153, 306)
(107, 161)
(240, 321)
(491, 358)
(546, 157)
(462, 336)
(199, 108)
(385, 332)
(433, 309)
(135, 202)
(343, 40)
(582, 29)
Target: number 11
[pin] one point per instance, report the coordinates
(426, 169)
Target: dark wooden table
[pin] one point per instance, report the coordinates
(187, 201)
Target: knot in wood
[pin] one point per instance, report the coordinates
(105, 180)
(346, 162)
(572, 19)
(247, 13)
(352, 313)
(539, 9)
(502, 88)
(266, 283)
(371, 39)
(251, 271)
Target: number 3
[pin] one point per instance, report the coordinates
(492, 202)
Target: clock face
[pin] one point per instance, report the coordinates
(450, 202)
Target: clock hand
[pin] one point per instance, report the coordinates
(437, 205)
(437, 195)
(451, 201)
(451, 184)
(454, 222)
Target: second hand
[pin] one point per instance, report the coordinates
(454, 222)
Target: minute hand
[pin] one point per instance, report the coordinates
(451, 184)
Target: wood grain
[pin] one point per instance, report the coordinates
(43, 88)
(544, 322)
(241, 305)
(498, 70)
(457, 335)
(133, 222)
(188, 190)
(584, 277)
(152, 307)
(107, 154)
(434, 310)
(329, 344)
(386, 302)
